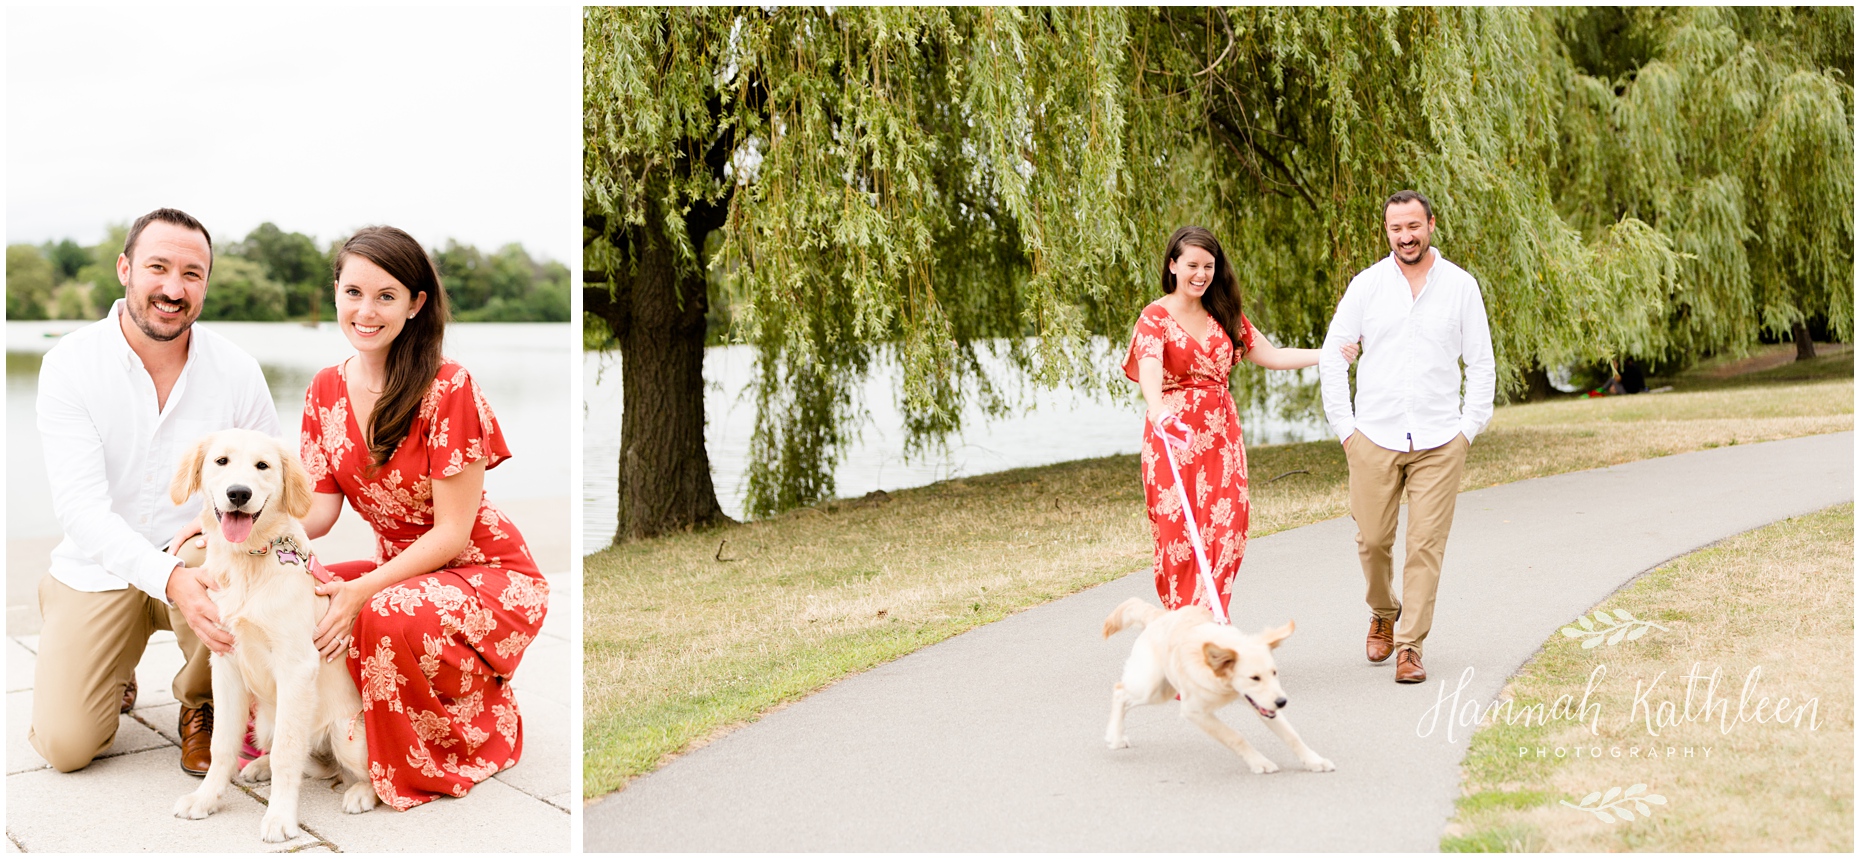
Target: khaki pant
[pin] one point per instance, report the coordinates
(88, 650)
(1432, 479)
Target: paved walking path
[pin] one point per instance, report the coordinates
(993, 740)
(124, 801)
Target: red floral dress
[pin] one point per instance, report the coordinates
(1213, 467)
(433, 654)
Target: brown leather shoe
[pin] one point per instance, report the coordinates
(1381, 639)
(129, 696)
(196, 738)
(1408, 666)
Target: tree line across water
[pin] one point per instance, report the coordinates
(272, 275)
(837, 185)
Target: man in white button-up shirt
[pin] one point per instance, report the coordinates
(1418, 317)
(118, 401)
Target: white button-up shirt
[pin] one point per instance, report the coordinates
(1408, 380)
(111, 452)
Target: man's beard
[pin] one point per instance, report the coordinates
(138, 307)
(1419, 253)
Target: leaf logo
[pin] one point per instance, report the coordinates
(1609, 629)
(1617, 802)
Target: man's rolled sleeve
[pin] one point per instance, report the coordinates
(153, 569)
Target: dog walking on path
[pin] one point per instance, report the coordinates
(1210, 665)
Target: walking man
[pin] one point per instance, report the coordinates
(1418, 317)
(118, 402)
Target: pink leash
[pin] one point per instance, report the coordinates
(1188, 514)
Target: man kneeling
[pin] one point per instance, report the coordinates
(119, 400)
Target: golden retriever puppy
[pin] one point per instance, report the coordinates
(255, 491)
(1210, 665)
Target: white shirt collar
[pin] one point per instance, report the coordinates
(119, 339)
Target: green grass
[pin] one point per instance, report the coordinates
(1778, 599)
(681, 647)
(1831, 362)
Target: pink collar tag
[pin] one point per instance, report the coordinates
(288, 552)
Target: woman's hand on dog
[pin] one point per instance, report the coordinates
(346, 599)
(187, 592)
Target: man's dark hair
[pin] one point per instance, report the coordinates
(1406, 197)
(171, 216)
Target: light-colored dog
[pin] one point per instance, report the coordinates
(256, 489)
(1210, 665)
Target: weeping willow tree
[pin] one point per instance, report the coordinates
(906, 181)
(1731, 132)
(912, 188)
(1311, 117)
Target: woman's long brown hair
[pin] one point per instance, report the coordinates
(1222, 299)
(414, 357)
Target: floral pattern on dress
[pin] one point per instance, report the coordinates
(530, 595)
(434, 653)
(380, 681)
(1213, 466)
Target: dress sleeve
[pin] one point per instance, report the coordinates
(314, 452)
(1247, 334)
(462, 430)
(1145, 342)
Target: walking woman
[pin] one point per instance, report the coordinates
(1184, 347)
(434, 625)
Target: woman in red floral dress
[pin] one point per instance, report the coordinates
(1185, 344)
(435, 624)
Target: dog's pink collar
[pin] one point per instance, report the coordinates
(289, 552)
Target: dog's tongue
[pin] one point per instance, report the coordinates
(235, 527)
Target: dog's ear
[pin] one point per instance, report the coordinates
(1272, 637)
(1220, 659)
(187, 472)
(297, 487)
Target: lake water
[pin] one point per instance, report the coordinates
(1061, 426)
(523, 368)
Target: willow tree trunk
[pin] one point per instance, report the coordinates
(1537, 387)
(656, 311)
(1804, 344)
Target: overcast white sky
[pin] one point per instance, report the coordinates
(446, 122)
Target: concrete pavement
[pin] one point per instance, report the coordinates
(123, 801)
(993, 740)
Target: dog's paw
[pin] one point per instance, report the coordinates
(258, 770)
(1262, 766)
(278, 826)
(359, 798)
(193, 806)
(1117, 742)
(1320, 765)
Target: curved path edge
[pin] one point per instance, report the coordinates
(992, 740)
